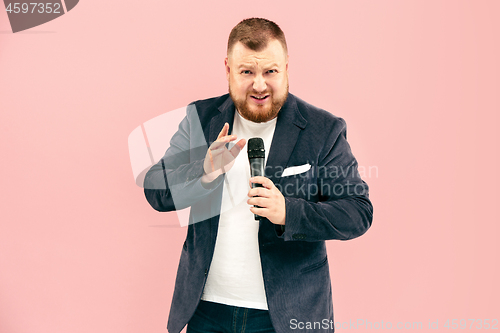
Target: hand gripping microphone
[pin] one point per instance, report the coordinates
(256, 156)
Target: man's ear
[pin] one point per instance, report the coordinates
(287, 57)
(226, 63)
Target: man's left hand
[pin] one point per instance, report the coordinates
(269, 199)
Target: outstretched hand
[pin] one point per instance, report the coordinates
(219, 159)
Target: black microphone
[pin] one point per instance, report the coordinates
(256, 156)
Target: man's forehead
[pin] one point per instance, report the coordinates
(272, 53)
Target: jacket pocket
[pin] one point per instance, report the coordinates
(315, 266)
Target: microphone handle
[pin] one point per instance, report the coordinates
(257, 169)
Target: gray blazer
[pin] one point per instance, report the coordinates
(328, 201)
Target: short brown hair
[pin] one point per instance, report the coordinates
(255, 33)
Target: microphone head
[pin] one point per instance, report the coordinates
(255, 148)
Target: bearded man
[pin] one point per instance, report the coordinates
(237, 274)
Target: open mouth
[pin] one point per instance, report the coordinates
(260, 98)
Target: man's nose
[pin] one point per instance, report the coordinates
(259, 84)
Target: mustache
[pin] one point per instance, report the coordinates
(260, 93)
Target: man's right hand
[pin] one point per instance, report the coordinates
(219, 159)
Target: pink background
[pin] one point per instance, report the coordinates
(418, 83)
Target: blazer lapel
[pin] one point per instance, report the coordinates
(226, 115)
(288, 126)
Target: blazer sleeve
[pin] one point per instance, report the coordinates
(174, 182)
(343, 210)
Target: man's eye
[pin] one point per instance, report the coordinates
(246, 72)
(271, 71)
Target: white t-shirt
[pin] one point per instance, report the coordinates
(235, 276)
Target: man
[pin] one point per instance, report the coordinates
(271, 275)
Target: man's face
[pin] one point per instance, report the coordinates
(258, 80)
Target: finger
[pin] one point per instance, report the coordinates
(224, 131)
(259, 201)
(221, 142)
(259, 192)
(227, 138)
(211, 160)
(241, 143)
(266, 182)
(217, 146)
(216, 153)
(264, 212)
(237, 147)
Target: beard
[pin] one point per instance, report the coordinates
(263, 113)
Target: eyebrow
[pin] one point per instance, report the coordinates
(252, 66)
(245, 66)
